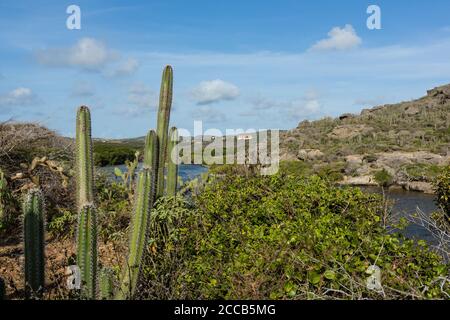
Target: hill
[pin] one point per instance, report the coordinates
(409, 141)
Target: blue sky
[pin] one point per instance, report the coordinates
(237, 64)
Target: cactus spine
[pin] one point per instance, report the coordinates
(140, 221)
(33, 228)
(172, 167)
(165, 103)
(87, 217)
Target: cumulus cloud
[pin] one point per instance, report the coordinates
(126, 68)
(18, 97)
(208, 92)
(339, 39)
(87, 53)
(142, 96)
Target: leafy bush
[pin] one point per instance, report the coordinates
(383, 178)
(109, 154)
(422, 172)
(63, 224)
(285, 237)
(442, 188)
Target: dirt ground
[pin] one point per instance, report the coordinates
(59, 255)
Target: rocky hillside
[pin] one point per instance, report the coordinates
(408, 141)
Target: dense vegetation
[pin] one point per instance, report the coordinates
(114, 153)
(285, 237)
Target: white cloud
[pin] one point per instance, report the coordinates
(18, 97)
(208, 92)
(339, 39)
(126, 68)
(142, 96)
(87, 53)
(303, 108)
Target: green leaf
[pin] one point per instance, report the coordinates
(330, 275)
(118, 172)
(314, 277)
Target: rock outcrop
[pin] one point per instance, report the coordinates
(349, 131)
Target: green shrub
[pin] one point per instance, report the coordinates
(422, 172)
(284, 237)
(63, 224)
(383, 178)
(109, 154)
(296, 168)
(442, 188)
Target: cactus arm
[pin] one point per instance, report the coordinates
(165, 103)
(138, 237)
(84, 159)
(151, 151)
(172, 167)
(34, 247)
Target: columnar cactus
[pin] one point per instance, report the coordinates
(84, 158)
(87, 218)
(138, 237)
(106, 284)
(34, 247)
(4, 195)
(151, 151)
(2, 289)
(172, 167)
(87, 250)
(165, 104)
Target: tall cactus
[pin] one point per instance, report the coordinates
(87, 217)
(4, 197)
(34, 247)
(106, 284)
(140, 221)
(151, 151)
(172, 167)
(165, 104)
(84, 158)
(2, 289)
